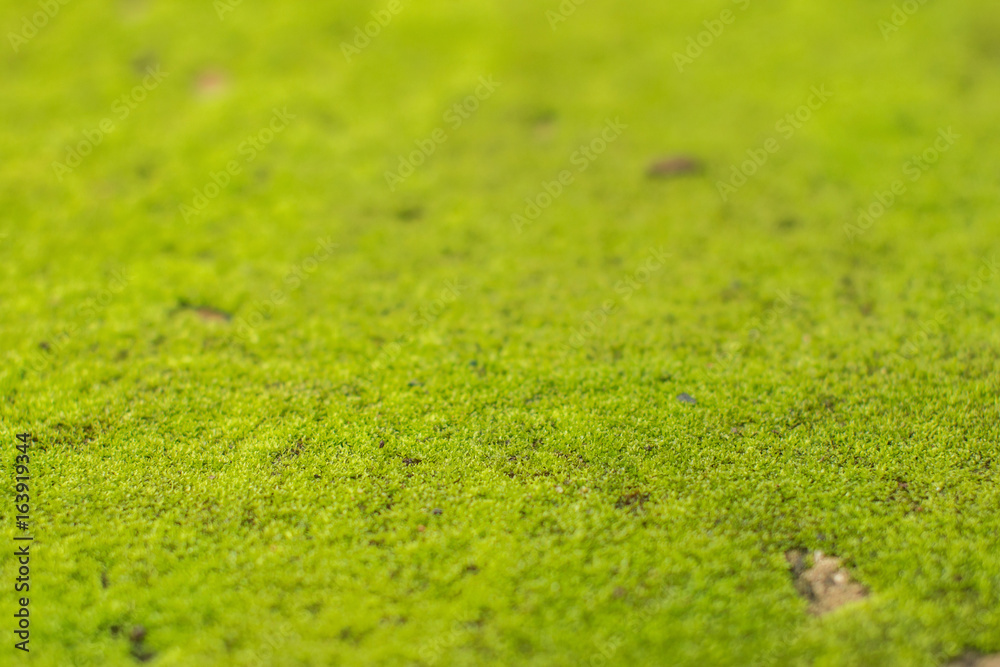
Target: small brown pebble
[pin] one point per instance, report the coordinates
(421, 528)
(137, 634)
(678, 165)
(209, 314)
(436, 511)
(211, 83)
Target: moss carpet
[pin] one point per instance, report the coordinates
(500, 332)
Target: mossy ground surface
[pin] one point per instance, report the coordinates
(265, 489)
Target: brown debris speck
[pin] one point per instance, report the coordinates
(213, 314)
(205, 313)
(634, 500)
(211, 83)
(669, 167)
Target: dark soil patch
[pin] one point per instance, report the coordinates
(633, 501)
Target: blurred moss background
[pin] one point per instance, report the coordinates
(246, 417)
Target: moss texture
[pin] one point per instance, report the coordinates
(333, 412)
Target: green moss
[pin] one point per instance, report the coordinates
(263, 488)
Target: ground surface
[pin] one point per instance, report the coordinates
(315, 420)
